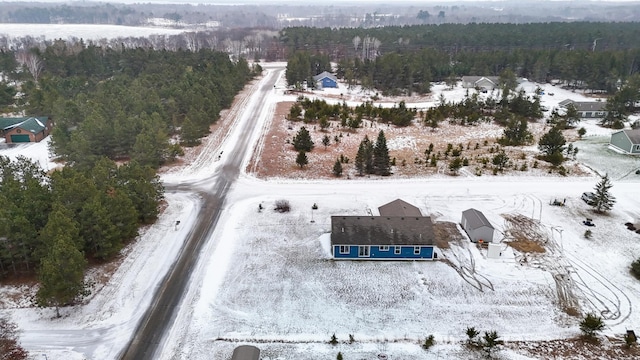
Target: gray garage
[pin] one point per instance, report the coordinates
(477, 226)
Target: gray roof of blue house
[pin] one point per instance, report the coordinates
(382, 230)
(476, 219)
(323, 75)
(399, 208)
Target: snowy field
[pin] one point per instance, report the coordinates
(81, 31)
(266, 278)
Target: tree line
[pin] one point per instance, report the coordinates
(133, 106)
(398, 60)
(129, 103)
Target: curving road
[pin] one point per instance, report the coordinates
(162, 311)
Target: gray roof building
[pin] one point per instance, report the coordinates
(476, 225)
(588, 109)
(399, 208)
(382, 230)
(627, 141)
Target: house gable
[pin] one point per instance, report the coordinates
(399, 208)
(627, 141)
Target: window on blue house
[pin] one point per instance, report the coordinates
(416, 250)
(345, 249)
(384, 248)
(397, 250)
(363, 251)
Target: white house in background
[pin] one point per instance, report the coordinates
(477, 226)
(480, 82)
(627, 141)
(587, 109)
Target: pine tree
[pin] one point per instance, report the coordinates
(552, 145)
(61, 274)
(326, 141)
(490, 341)
(381, 162)
(364, 157)
(302, 159)
(603, 200)
(302, 141)
(591, 324)
(337, 168)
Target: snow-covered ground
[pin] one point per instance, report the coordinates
(269, 281)
(82, 31)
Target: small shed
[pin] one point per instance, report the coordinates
(627, 141)
(325, 80)
(246, 352)
(477, 226)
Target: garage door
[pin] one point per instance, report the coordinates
(19, 138)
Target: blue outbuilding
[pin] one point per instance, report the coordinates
(394, 235)
(325, 80)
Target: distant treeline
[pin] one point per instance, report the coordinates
(596, 56)
(472, 37)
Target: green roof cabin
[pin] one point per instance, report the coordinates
(25, 129)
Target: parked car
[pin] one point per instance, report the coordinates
(589, 198)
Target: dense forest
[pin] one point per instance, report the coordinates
(134, 106)
(596, 56)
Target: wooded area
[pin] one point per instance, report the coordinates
(395, 60)
(128, 105)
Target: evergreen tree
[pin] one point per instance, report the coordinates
(302, 159)
(490, 341)
(500, 160)
(302, 141)
(591, 325)
(603, 200)
(552, 145)
(337, 168)
(364, 157)
(516, 133)
(455, 165)
(381, 161)
(326, 141)
(61, 274)
(190, 134)
(571, 117)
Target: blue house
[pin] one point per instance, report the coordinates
(385, 237)
(325, 80)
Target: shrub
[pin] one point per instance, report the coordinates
(334, 340)
(635, 269)
(428, 342)
(282, 206)
(591, 325)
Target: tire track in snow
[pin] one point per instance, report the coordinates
(466, 267)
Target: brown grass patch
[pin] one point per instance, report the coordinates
(446, 232)
(526, 246)
(275, 157)
(576, 348)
